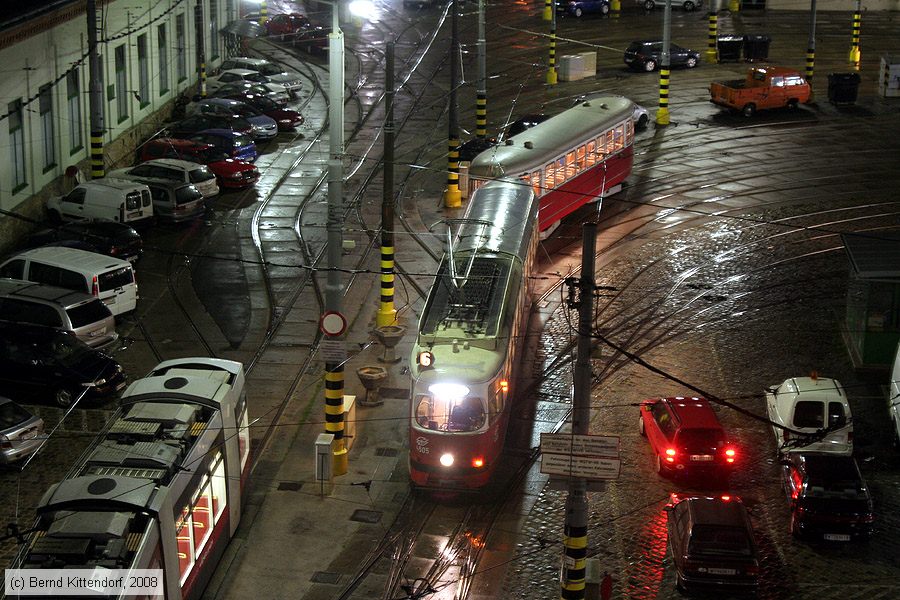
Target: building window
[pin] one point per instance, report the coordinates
(163, 60)
(16, 145)
(73, 96)
(45, 108)
(180, 49)
(213, 29)
(121, 88)
(143, 71)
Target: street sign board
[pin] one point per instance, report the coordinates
(333, 351)
(583, 445)
(588, 467)
(332, 323)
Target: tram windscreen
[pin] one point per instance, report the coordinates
(473, 305)
(440, 413)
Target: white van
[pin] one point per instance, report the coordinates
(893, 398)
(110, 279)
(810, 406)
(104, 199)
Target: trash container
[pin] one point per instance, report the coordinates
(843, 88)
(756, 47)
(729, 47)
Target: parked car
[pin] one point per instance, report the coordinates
(187, 127)
(893, 398)
(41, 362)
(274, 73)
(712, 544)
(472, 148)
(525, 122)
(828, 497)
(576, 8)
(264, 127)
(76, 312)
(686, 437)
(762, 88)
(239, 76)
(647, 56)
(172, 169)
(110, 279)
(285, 24)
(816, 411)
(104, 237)
(276, 93)
(232, 144)
(21, 433)
(687, 5)
(286, 118)
(229, 172)
(313, 38)
(106, 199)
(176, 201)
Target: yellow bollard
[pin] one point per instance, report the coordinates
(548, 10)
(662, 113)
(615, 7)
(734, 5)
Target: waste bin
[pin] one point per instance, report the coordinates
(843, 88)
(756, 47)
(729, 47)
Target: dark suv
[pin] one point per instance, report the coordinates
(712, 545)
(828, 496)
(686, 437)
(647, 56)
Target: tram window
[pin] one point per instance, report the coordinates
(424, 412)
(619, 138)
(591, 150)
(536, 183)
(468, 415)
(580, 158)
(629, 132)
(219, 489)
(201, 516)
(244, 437)
(571, 169)
(185, 544)
(610, 141)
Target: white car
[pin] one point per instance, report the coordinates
(809, 405)
(893, 399)
(173, 169)
(273, 73)
(241, 76)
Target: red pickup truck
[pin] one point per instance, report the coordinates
(764, 87)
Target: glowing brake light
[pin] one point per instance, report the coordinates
(726, 498)
(730, 455)
(95, 287)
(504, 385)
(670, 454)
(478, 462)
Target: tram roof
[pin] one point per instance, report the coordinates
(553, 137)
(510, 208)
(116, 490)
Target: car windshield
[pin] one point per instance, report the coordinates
(66, 349)
(263, 103)
(809, 413)
(700, 438)
(716, 539)
(11, 414)
(200, 174)
(87, 313)
(186, 194)
(247, 111)
(269, 70)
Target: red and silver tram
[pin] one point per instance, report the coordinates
(469, 339)
(575, 157)
(161, 487)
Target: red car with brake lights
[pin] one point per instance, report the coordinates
(230, 173)
(286, 118)
(686, 437)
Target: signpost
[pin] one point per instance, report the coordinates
(574, 455)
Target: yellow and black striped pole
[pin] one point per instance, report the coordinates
(551, 70)
(712, 54)
(95, 98)
(548, 10)
(615, 8)
(263, 13)
(387, 315)
(453, 195)
(574, 562)
(854, 39)
(334, 415)
(481, 91)
(201, 55)
(98, 169)
(662, 113)
(734, 5)
(811, 47)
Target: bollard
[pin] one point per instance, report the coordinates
(324, 474)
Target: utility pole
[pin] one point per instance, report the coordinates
(854, 40)
(453, 195)
(201, 53)
(481, 92)
(811, 46)
(95, 96)
(551, 61)
(662, 113)
(572, 584)
(387, 314)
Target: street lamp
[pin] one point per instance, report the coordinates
(334, 362)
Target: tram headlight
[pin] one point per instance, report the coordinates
(447, 460)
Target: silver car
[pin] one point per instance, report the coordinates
(21, 433)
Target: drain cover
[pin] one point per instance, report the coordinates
(389, 452)
(325, 577)
(366, 516)
(290, 486)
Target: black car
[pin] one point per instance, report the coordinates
(828, 497)
(196, 123)
(41, 362)
(647, 56)
(712, 544)
(469, 150)
(526, 122)
(104, 237)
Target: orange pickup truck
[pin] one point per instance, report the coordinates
(764, 87)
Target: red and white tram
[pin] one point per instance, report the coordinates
(161, 487)
(578, 156)
(469, 340)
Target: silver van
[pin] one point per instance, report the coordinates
(105, 199)
(175, 201)
(110, 279)
(37, 304)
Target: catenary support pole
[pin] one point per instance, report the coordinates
(453, 195)
(548, 10)
(334, 365)
(201, 52)
(811, 47)
(615, 8)
(712, 54)
(551, 62)
(662, 113)
(481, 92)
(387, 315)
(263, 12)
(734, 5)
(572, 585)
(855, 54)
(95, 96)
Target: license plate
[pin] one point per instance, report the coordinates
(120, 385)
(714, 571)
(837, 537)
(702, 457)
(132, 259)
